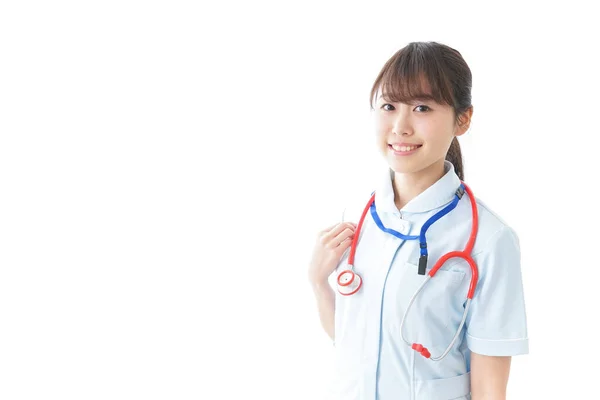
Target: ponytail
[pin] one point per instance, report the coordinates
(455, 157)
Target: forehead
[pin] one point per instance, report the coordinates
(406, 90)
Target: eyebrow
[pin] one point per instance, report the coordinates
(421, 97)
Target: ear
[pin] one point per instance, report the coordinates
(464, 122)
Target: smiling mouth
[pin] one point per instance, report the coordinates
(404, 149)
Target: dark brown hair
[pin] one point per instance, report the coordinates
(428, 70)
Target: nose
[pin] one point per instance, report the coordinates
(402, 124)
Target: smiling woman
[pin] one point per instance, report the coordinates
(445, 347)
(426, 88)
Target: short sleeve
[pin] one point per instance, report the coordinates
(496, 323)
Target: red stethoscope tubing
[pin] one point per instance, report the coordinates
(465, 254)
(357, 231)
(353, 246)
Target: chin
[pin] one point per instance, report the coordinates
(404, 168)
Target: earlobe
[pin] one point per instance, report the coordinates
(462, 128)
(464, 122)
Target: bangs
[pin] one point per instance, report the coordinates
(414, 73)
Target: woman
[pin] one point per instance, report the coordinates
(392, 342)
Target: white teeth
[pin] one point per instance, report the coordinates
(403, 148)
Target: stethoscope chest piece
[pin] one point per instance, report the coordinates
(348, 282)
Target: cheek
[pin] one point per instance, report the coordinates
(381, 137)
(437, 133)
(381, 127)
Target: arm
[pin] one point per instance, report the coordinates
(329, 249)
(489, 377)
(326, 304)
(497, 323)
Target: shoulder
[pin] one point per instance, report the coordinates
(494, 233)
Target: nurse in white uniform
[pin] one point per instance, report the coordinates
(392, 340)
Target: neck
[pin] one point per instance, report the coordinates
(409, 185)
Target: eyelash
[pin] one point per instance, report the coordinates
(420, 105)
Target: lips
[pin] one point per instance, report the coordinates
(404, 147)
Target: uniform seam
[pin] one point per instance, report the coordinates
(497, 340)
(492, 237)
(491, 212)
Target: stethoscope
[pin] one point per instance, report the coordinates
(349, 282)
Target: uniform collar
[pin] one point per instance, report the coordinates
(437, 195)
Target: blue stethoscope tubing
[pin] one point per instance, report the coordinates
(349, 282)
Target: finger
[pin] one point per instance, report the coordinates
(335, 229)
(326, 237)
(345, 244)
(338, 239)
(346, 234)
(329, 228)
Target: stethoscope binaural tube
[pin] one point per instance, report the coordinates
(349, 282)
(466, 255)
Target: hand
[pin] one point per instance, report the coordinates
(329, 248)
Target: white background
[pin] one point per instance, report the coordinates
(165, 166)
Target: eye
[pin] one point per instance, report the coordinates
(421, 105)
(387, 104)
